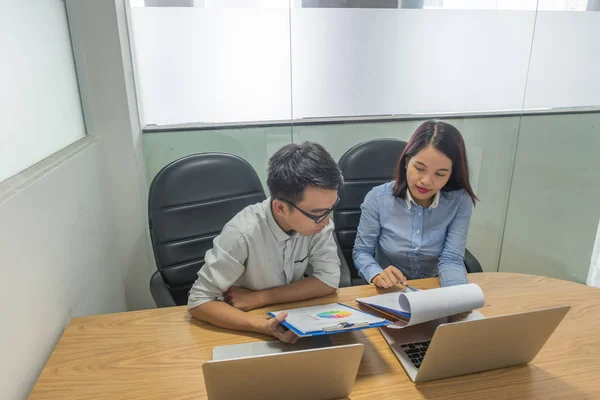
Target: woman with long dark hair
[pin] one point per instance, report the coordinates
(416, 226)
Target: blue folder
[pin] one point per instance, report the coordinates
(336, 328)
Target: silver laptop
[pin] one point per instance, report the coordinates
(287, 372)
(440, 349)
(268, 347)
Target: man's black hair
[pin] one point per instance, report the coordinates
(295, 167)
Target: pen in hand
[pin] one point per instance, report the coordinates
(410, 287)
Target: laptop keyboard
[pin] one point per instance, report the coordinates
(415, 351)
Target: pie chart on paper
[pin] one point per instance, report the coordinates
(334, 314)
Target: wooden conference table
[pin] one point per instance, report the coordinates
(158, 353)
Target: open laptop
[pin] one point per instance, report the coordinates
(438, 350)
(306, 370)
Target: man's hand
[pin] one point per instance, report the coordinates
(389, 277)
(243, 299)
(275, 329)
(459, 317)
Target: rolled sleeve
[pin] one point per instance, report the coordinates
(452, 276)
(224, 264)
(366, 238)
(451, 267)
(323, 257)
(371, 272)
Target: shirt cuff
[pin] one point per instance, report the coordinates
(373, 278)
(452, 276)
(370, 272)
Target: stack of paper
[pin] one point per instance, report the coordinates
(426, 305)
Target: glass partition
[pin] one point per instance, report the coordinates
(517, 78)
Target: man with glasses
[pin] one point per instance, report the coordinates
(261, 256)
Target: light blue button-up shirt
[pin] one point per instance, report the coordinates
(420, 242)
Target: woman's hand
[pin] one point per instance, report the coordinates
(389, 277)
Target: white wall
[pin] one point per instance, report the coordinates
(565, 60)
(40, 111)
(57, 238)
(199, 65)
(105, 72)
(57, 259)
(73, 237)
(212, 65)
(352, 62)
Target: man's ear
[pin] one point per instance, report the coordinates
(278, 207)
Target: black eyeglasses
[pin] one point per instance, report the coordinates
(316, 218)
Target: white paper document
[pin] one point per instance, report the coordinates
(387, 302)
(317, 318)
(427, 305)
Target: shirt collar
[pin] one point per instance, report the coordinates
(409, 199)
(279, 234)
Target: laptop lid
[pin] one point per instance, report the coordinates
(268, 347)
(473, 346)
(322, 373)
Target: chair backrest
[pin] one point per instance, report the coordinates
(190, 201)
(364, 166)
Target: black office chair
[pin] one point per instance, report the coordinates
(190, 201)
(365, 166)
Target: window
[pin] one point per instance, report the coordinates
(40, 106)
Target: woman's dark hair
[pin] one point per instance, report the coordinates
(445, 138)
(295, 167)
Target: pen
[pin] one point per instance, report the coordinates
(345, 326)
(411, 288)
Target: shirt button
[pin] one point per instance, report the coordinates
(417, 249)
(419, 214)
(418, 231)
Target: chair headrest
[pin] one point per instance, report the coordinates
(375, 159)
(202, 177)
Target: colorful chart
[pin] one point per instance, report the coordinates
(334, 314)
